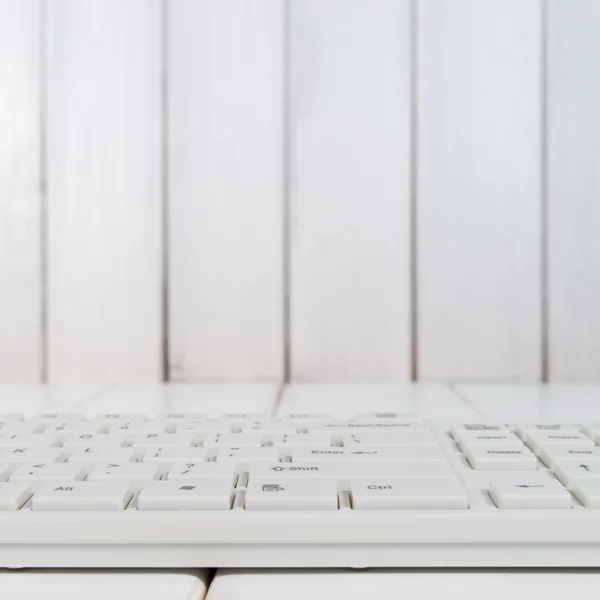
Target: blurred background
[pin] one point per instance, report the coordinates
(300, 190)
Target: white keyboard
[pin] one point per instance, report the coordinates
(304, 490)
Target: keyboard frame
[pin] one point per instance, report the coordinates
(345, 538)
(242, 539)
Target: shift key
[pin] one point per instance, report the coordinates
(342, 472)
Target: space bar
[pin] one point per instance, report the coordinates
(343, 471)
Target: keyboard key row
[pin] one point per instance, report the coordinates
(340, 472)
(201, 423)
(217, 495)
(211, 440)
(239, 455)
(519, 489)
(278, 494)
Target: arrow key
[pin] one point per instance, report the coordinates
(570, 472)
(529, 495)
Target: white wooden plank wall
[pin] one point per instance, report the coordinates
(225, 121)
(479, 209)
(349, 190)
(574, 189)
(104, 190)
(226, 189)
(20, 185)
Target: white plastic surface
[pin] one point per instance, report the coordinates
(386, 584)
(65, 585)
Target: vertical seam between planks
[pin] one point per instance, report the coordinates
(165, 238)
(286, 196)
(43, 174)
(544, 268)
(413, 190)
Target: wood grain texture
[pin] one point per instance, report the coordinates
(104, 190)
(479, 161)
(574, 189)
(20, 197)
(350, 175)
(226, 94)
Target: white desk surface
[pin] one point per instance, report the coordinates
(385, 584)
(432, 401)
(103, 585)
(146, 399)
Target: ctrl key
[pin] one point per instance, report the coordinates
(82, 495)
(289, 494)
(408, 494)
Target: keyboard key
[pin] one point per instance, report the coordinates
(175, 454)
(244, 457)
(315, 440)
(182, 417)
(165, 440)
(100, 440)
(410, 425)
(400, 453)
(342, 472)
(141, 427)
(408, 494)
(538, 440)
(457, 430)
(465, 439)
(377, 454)
(77, 427)
(4, 473)
(60, 417)
(388, 439)
(116, 425)
(592, 430)
(269, 428)
(305, 418)
(13, 495)
(587, 492)
(210, 494)
(501, 458)
(570, 472)
(135, 472)
(241, 417)
(202, 471)
(551, 454)
(204, 427)
(286, 494)
(19, 427)
(529, 495)
(83, 495)
(100, 454)
(30, 440)
(336, 429)
(233, 440)
(386, 416)
(120, 418)
(31, 455)
(524, 429)
(483, 479)
(48, 472)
